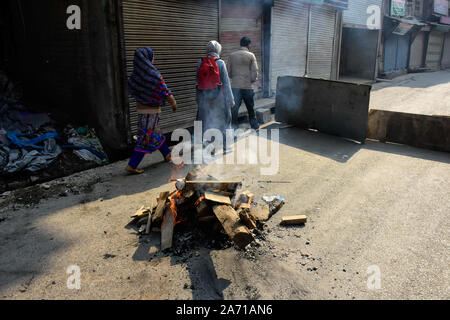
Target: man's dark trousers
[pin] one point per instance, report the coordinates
(248, 95)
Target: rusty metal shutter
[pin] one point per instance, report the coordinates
(177, 31)
(321, 42)
(446, 53)
(241, 19)
(417, 51)
(289, 40)
(434, 51)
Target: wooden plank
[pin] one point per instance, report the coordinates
(149, 222)
(224, 193)
(261, 213)
(245, 206)
(217, 198)
(233, 226)
(141, 221)
(244, 200)
(161, 206)
(167, 229)
(275, 206)
(208, 219)
(228, 186)
(247, 219)
(203, 209)
(141, 213)
(294, 220)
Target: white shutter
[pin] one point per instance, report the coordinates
(357, 12)
(289, 39)
(321, 42)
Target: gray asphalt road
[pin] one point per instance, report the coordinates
(378, 229)
(423, 93)
(373, 206)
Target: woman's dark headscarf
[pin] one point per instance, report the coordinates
(145, 78)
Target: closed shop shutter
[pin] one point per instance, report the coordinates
(177, 31)
(289, 40)
(357, 12)
(446, 53)
(396, 52)
(241, 19)
(417, 51)
(402, 52)
(390, 53)
(434, 50)
(321, 42)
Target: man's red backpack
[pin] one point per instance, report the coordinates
(209, 74)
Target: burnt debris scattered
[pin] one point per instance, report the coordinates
(203, 211)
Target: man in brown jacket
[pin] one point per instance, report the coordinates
(243, 71)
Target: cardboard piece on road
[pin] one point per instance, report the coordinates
(294, 220)
(233, 226)
(217, 198)
(167, 229)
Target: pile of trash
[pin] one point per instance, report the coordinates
(29, 141)
(221, 207)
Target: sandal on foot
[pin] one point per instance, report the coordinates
(133, 170)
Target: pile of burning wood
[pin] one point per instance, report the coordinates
(220, 205)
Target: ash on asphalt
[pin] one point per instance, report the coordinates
(191, 237)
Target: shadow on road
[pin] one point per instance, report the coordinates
(28, 247)
(342, 150)
(204, 282)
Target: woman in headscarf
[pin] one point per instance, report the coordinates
(214, 105)
(147, 86)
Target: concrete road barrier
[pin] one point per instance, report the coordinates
(333, 107)
(423, 131)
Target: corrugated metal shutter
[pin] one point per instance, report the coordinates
(434, 51)
(402, 52)
(396, 52)
(241, 19)
(321, 42)
(446, 53)
(338, 4)
(417, 51)
(289, 40)
(177, 31)
(357, 11)
(390, 53)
